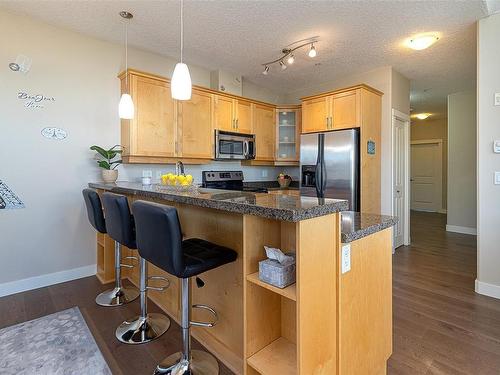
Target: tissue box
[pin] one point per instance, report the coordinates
(274, 273)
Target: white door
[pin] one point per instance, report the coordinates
(399, 179)
(426, 175)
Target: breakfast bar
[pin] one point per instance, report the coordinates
(336, 318)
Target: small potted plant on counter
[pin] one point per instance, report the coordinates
(108, 162)
(284, 180)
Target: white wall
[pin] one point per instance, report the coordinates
(462, 162)
(386, 80)
(488, 129)
(52, 233)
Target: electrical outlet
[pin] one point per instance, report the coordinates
(346, 258)
(497, 98)
(497, 178)
(147, 173)
(263, 173)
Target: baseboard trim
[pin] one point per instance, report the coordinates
(486, 289)
(459, 229)
(36, 282)
(443, 211)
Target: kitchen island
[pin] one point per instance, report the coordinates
(337, 317)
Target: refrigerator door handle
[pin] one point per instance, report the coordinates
(320, 167)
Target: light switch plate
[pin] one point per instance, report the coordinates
(497, 178)
(263, 173)
(346, 258)
(497, 98)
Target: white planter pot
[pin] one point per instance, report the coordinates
(109, 176)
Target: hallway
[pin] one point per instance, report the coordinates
(441, 326)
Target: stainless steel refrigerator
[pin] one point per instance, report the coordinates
(329, 165)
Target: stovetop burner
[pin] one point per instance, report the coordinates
(227, 180)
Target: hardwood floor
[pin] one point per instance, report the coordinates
(441, 326)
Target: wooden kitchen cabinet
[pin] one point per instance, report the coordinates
(195, 131)
(224, 113)
(332, 111)
(151, 133)
(315, 114)
(288, 120)
(345, 110)
(234, 115)
(265, 132)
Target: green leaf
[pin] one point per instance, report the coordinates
(104, 164)
(100, 151)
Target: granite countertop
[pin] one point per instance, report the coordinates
(280, 207)
(356, 225)
(271, 185)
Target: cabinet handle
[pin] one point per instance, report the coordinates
(234, 124)
(331, 122)
(328, 122)
(237, 123)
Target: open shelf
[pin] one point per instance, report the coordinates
(279, 357)
(289, 292)
(287, 142)
(287, 125)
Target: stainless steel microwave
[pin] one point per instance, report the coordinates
(234, 146)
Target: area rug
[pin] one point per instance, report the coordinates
(56, 344)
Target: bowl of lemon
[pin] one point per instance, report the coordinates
(179, 182)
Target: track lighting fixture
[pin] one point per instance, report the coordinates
(289, 56)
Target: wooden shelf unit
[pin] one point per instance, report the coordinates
(279, 357)
(289, 292)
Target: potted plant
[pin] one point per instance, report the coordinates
(108, 163)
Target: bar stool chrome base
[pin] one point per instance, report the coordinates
(201, 363)
(117, 296)
(140, 330)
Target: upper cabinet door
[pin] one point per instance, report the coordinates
(346, 110)
(244, 117)
(153, 128)
(195, 131)
(224, 113)
(315, 114)
(265, 132)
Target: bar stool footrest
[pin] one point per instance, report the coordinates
(205, 324)
(159, 288)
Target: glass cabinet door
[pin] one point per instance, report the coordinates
(287, 133)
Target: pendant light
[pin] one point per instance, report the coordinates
(126, 105)
(181, 79)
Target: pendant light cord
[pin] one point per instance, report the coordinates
(182, 29)
(126, 55)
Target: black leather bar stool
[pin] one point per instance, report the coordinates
(159, 240)
(121, 227)
(119, 295)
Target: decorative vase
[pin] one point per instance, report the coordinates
(109, 175)
(284, 182)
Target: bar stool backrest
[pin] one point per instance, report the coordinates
(159, 236)
(119, 221)
(94, 210)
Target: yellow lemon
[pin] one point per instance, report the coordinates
(189, 178)
(164, 179)
(185, 183)
(181, 178)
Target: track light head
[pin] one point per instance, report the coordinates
(283, 65)
(290, 59)
(266, 71)
(312, 52)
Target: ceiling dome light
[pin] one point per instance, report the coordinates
(422, 41)
(312, 52)
(283, 65)
(290, 59)
(181, 85)
(422, 116)
(266, 71)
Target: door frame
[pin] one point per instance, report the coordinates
(439, 142)
(405, 118)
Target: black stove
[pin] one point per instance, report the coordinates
(227, 180)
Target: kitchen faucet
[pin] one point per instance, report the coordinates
(179, 167)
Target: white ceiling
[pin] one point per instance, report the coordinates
(355, 36)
